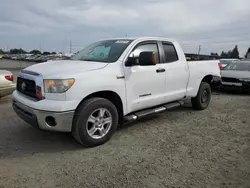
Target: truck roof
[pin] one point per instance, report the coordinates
(143, 38)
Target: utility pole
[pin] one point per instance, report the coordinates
(70, 47)
(199, 50)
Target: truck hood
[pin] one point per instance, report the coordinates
(65, 67)
(235, 74)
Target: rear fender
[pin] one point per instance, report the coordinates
(213, 80)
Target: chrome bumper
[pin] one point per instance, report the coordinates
(37, 118)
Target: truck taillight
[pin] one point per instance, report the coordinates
(220, 66)
(9, 77)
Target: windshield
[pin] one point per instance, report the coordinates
(103, 51)
(238, 66)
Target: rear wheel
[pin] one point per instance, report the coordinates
(202, 100)
(95, 121)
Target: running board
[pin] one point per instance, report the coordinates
(144, 113)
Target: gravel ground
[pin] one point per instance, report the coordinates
(181, 148)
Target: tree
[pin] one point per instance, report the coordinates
(35, 52)
(235, 52)
(1, 51)
(223, 54)
(54, 53)
(17, 51)
(229, 54)
(46, 53)
(214, 54)
(248, 53)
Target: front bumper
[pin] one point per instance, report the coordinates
(37, 118)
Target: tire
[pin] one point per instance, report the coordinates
(84, 125)
(200, 102)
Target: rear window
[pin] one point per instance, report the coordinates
(238, 66)
(170, 53)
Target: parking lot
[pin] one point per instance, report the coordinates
(181, 148)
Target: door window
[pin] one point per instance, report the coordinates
(149, 47)
(170, 53)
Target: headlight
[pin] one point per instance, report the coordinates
(57, 85)
(245, 79)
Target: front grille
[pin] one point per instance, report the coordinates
(226, 79)
(27, 87)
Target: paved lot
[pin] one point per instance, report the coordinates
(14, 66)
(181, 148)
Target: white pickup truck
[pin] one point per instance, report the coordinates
(111, 82)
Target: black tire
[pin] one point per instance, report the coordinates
(198, 102)
(83, 112)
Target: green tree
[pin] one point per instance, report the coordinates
(229, 54)
(214, 54)
(17, 51)
(223, 54)
(46, 53)
(54, 53)
(35, 52)
(1, 51)
(235, 52)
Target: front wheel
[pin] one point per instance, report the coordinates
(95, 121)
(202, 100)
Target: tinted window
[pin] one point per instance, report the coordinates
(103, 51)
(170, 53)
(145, 48)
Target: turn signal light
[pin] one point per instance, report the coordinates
(39, 94)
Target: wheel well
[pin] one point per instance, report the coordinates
(111, 96)
(208, 79)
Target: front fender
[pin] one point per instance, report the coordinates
(97, 81)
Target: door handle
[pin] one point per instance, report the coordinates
(160, 70)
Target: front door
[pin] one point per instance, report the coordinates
(145, 85)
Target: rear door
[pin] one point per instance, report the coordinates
(177, 72)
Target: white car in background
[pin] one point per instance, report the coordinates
(226, 62)
(6, 83)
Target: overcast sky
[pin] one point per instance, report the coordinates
(216, 25)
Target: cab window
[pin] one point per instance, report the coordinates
(170, 53)
(148, 47)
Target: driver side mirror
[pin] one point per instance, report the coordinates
(131, 61)
(147, 59)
